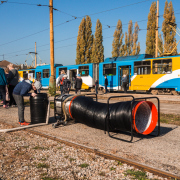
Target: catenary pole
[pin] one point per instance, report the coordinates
(157, 23)
(35, 56)
(52, 77)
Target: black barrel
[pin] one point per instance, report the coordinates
(38, 108)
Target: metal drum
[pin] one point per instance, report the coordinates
(38, 108)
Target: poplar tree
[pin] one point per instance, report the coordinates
(129, 40)
(160, 44)
(151, 30)
(98, 49)
(136, 47)
(130, 37)
(80, 49)
(117, 44)
(126, 45)
(88, 40)
(84, 42)
(168, 32)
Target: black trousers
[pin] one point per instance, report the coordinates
(3, 93)
(125, 87)
(12, 101)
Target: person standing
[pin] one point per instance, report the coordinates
(22, 89)
(7, 91)
(12, 80)
(124, 82)
(66, 85)
(59, 81)
(96, 86)
(106, 84)
(3, 84)
(38, 86)
(78, 84)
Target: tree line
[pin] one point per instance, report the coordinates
(90, 47)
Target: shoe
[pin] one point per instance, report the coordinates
(24, 123)
(13, 106)
(5, 106)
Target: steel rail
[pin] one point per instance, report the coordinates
(135, 164)
(140, 166)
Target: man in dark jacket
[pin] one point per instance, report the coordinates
(96, 86)
(3, 84)
(125, 82)
(22, 89)
(66, 85)
(78, 84)
(12, 80)
(106, 84)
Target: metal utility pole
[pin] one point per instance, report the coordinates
(52, 77)
(157, 24)
(35, 57)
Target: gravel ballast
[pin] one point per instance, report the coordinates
(27, 156)
(160, 152)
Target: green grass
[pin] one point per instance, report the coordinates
(139, 175)
(84, 165)
(170, 119)
(71, 159)
(42, 165)
(43, 159)
(120, 163)
(40, 148)
(112, 168)
(102, 173)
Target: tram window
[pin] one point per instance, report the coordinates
(32, 71)
(84, 70)
(45, 73)
(142, 67)
(109, 69)
(163, 66)
(25, 74)
(60, 69)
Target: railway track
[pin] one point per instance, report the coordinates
(143, 167)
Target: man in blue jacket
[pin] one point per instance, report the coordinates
(3, 84)
(22, 89)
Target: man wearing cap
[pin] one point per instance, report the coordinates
(20, 90)
(66, 85)
(78, 84)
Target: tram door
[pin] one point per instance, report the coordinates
(72, 77)
(38, 76)
(127, 71)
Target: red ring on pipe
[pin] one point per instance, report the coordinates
(70, 107)
(153, 121)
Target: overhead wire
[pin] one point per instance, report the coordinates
(72, 20)
(74, 17)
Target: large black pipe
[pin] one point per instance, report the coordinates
(92, 113)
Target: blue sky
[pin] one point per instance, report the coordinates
(23, 23)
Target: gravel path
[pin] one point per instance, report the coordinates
(27, 156)
(159, 152)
